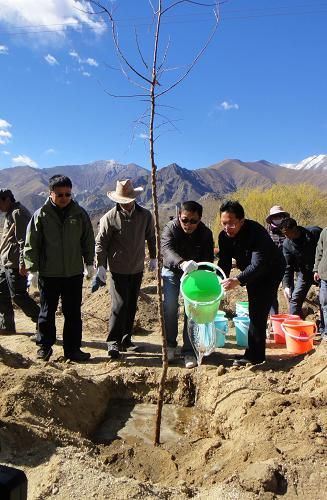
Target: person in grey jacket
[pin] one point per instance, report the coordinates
(120, 245)
(320, 275)
(184, 242)
(13, 275)
(299, 248)
(59, 245)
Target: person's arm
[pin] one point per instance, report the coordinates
(21, 222)
(225, 254)
(260, 257)
(170, 256)
(319, 251)
(33, 244)
(102, 242)
(87, 240)
(150, 237)
(288, 279)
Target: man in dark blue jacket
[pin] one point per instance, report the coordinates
(262, 267)
(299, 248)
(184, 242)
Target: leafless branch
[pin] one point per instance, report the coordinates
(188, 1)
(139, 49)
(195, 60)
(165, 55)
(116, 43)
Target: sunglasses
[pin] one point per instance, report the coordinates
(185, 220)
(61, 195)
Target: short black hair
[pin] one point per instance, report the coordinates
(192, 206)
(288, 223)
(59, 180)
(233, 207)
(6, 193)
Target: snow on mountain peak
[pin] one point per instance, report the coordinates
(312, 162)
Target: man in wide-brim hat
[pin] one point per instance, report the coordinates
(120, 245)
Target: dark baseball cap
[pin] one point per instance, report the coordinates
(6, 193)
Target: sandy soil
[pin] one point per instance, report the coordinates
(258, 432)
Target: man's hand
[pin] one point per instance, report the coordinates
(316, 277)
(287, 292)
(152, 265)
(188, 266)
(230, 283)
(102, 274)
(89, 272)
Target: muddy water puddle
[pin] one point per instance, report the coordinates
(136, 422)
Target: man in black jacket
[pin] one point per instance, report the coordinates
(262, 267)
(184, 242)
(299, 248)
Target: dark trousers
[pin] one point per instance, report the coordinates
(171, 288)
(124, 291)
(301, 288)
(13, 288)
(70, 291)
(260, 299)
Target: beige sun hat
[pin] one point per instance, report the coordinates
(276, 210)
(125, 192)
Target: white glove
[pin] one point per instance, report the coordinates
(287, 292)
(102, 274)
(152, 265)
(188, 266)
(32, 280)
(89, 272)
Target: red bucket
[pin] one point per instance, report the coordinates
(299, 335)
(276, 321)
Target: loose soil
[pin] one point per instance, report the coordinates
(84, 430)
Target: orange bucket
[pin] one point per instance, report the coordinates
(299, 335)
(276, 321)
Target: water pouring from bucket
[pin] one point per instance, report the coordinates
(202, 292)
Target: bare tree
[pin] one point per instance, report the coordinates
(151, 87)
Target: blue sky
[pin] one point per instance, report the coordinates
(258, 92)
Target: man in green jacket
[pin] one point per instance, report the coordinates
(13, 275)
(59, 244)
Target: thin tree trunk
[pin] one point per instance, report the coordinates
(161, 387)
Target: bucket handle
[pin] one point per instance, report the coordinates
(302, 339)
(213, 267)
(244, 328)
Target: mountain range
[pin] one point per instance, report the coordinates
(91, 181)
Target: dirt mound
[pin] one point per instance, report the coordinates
(85, 430)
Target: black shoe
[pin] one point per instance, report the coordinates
(78, 355)
(44, 353)
(113, 350)
(128, 346)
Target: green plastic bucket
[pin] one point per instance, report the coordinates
(202, 292)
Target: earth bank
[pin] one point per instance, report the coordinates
(259, 432)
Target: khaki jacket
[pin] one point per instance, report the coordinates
(13, 236)
(121, 240)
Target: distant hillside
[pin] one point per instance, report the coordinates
(91, 181)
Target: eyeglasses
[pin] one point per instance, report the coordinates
(61, 195)
(189, 221)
